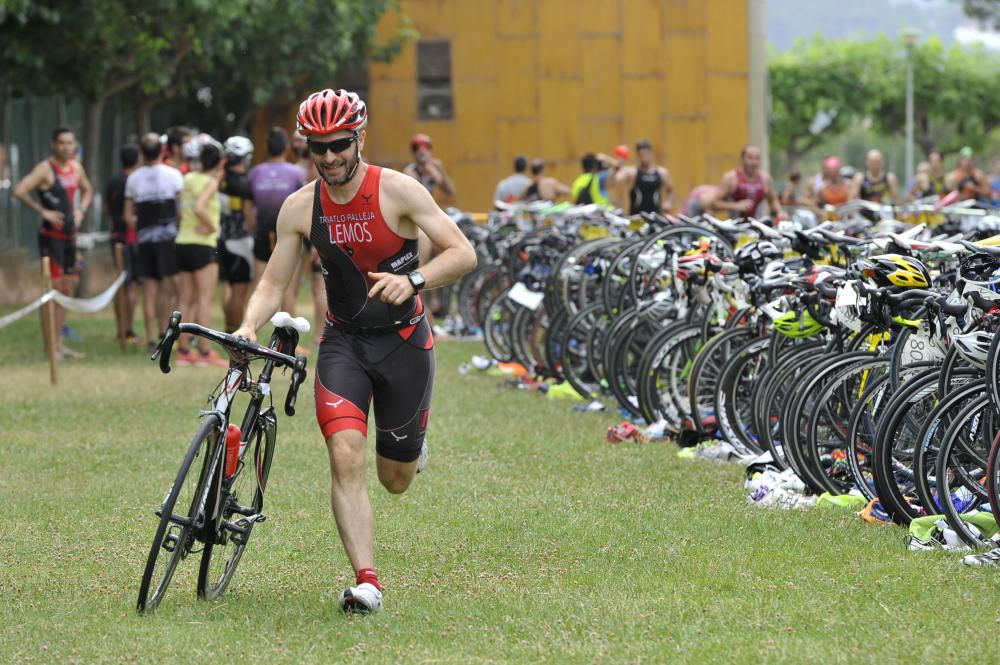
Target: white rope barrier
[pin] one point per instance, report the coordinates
(82, 305)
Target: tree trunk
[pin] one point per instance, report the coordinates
(93, 113)
(143, 113)
(93, 110)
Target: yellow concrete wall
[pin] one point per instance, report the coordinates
(558, 78)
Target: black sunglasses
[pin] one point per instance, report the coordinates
(337, 145)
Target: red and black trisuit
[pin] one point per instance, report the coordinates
(371, 351)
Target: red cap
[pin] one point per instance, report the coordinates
(832, 163)
(420, 141)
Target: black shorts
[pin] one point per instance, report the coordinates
(155, 260)
(264, 240)
(194, 257)
(61, 253)
(233, 268)
(128, 259)
(393, 370)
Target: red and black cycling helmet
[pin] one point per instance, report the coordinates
(329, 111)
(420, 141)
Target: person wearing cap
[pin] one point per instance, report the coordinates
(875, 184)
(967, 179)
(426, 168)
(833, 192)
(650, 187)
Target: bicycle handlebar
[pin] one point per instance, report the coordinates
(238, 345)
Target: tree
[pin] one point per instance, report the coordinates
(96, 49)
(276, 49)
(819, 88)
(955, 94)
(983, 10)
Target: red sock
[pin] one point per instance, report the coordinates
(368, 575)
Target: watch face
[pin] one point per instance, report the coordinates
(416, 279)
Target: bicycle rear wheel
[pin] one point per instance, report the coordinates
(242, 499)
(176, 532)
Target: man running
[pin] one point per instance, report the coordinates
(377, 344)
(152, 194)
(650, 187)
(745, 188)
(875, 184)
(236, 242)
(55, 181)
(426, 168)
(270, 184)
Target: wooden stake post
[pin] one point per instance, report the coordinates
(49, 314)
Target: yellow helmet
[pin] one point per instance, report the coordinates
(895, 270)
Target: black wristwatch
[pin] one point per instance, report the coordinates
(417, 280)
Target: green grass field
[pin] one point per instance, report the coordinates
(529, 539)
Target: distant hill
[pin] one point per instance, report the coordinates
(790, 19)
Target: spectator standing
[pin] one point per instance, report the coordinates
(512, 187)
(121, 234)
(198, 270)
(151, 209)
(235, 246)
(56, 181)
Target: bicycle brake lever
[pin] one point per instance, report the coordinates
(166, 345)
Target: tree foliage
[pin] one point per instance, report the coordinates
(276, 48)
(821, 87)
(983, 10)
(244, 52)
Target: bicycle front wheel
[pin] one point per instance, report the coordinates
(180, 517)
(242, 499)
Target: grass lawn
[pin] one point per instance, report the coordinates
(528, 539)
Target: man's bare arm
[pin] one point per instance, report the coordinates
(667, 189)
(30, 182)
(457, 257)
(725, 189)
(86, 194)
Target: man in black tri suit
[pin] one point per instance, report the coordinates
(55, 181)
(650, 187)
(377, 346)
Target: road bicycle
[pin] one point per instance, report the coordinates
(218, 494)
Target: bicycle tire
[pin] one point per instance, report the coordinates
(178, 539)
(264, 435)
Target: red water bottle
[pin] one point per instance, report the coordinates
(233, 436)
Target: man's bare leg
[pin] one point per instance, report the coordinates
(352, 509)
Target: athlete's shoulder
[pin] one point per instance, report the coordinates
(392, 181)
(303, 196)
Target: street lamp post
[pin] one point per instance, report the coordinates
(910, 38)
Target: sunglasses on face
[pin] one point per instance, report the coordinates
(337, 145)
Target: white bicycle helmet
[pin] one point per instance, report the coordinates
(192, 149)
(239, 147)
(974, 346)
